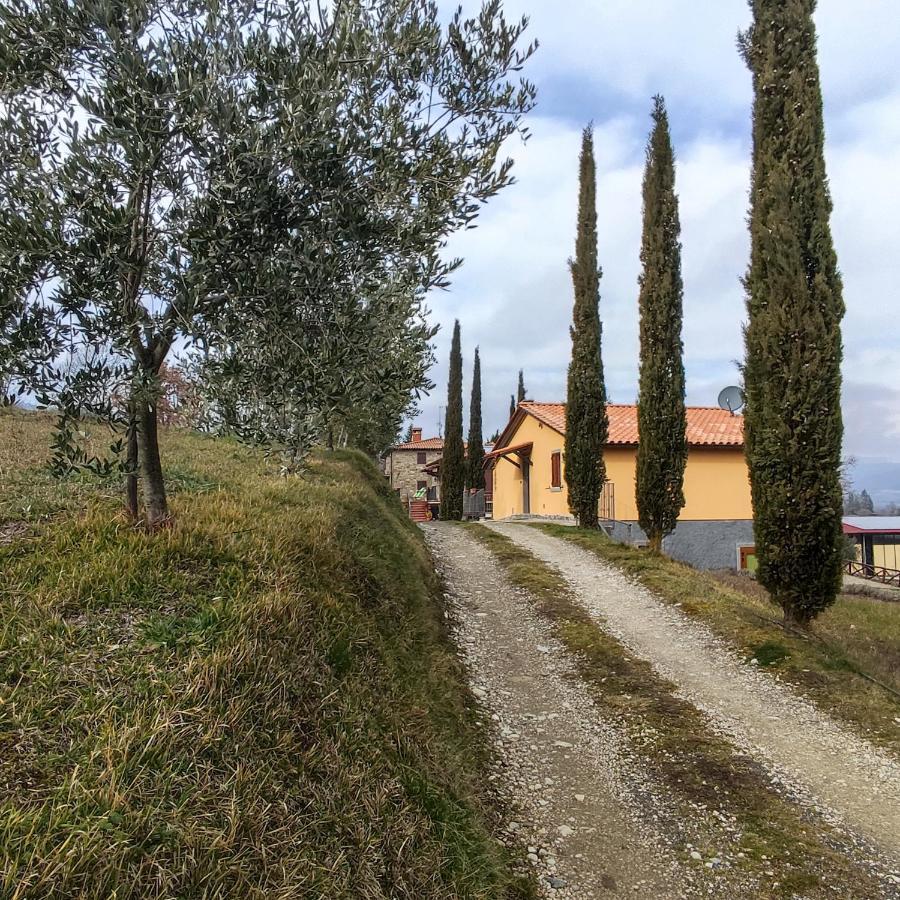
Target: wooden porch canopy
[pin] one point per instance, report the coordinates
(520, 450)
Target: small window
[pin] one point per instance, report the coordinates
(421, 485)
(556, 469)
(421, 458)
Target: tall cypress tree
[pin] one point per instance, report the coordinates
(475, 453)
(512, 405)
(792, 370)
(586, 420)
(453, 462)
(521, 389)
(662, 448)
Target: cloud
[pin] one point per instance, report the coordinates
(602, 62)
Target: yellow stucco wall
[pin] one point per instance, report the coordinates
(508, 494)
(715, 480)
(885, 555)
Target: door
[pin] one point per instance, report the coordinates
(526, 484)
(748, 559)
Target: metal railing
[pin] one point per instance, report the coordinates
(873, 573)
(474, 505)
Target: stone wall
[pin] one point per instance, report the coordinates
(405, 473)
(704, 544)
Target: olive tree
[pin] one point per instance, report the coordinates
(253, 178)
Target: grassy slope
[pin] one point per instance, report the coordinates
(258, 702)
(857, 635)
(674, 740)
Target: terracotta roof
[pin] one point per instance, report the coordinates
(706, 426)
(504, 451)
(428, 444)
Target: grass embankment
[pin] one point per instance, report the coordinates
(855, 638)
(787, 853)
(260, 701)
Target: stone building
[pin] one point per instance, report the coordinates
(405, 466)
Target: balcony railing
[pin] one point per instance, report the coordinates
(873, 573)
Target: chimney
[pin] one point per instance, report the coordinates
(417, 434)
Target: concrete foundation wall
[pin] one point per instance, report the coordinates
(702, 544)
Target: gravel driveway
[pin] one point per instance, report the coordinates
(842, 775)
(591, 819)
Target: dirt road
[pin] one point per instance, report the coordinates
(838, 772)
(592, 822)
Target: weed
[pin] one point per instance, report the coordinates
(770, 653)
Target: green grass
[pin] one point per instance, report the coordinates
(855, 638)
(260, 701)
(674, 740)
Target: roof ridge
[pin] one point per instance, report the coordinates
(707, 426)
(620, 405)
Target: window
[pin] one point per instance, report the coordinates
(421, 458)
(421, 485)
(556, 469)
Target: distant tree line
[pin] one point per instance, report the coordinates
(861, 504)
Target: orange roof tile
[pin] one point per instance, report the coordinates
(706, 426)
(428, 444)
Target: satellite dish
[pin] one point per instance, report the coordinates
(731, 398)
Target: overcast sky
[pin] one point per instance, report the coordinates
(602, 61)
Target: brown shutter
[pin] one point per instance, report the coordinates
(555, 475)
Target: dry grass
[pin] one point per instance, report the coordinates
(259, 702)
(855, 638)
(29, 493)
(674, 740)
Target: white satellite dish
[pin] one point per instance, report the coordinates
(731, 398)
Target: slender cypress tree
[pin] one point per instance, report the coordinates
(520, 394)
(453, 462)
(475, 452)
(792, 370)
(587, 425)
(512, 405)
(662, 448)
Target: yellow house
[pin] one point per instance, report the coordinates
(715, 528)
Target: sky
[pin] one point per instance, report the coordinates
(602, 61)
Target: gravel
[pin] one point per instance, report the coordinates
(853, 784)
(585, 815)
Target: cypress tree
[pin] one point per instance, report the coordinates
(521, 389)
(586, 420)
(512, 405)
(475, 453)
(792, 369)
(453, 462)
(662, 448)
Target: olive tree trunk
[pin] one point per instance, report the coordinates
(156, 508)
